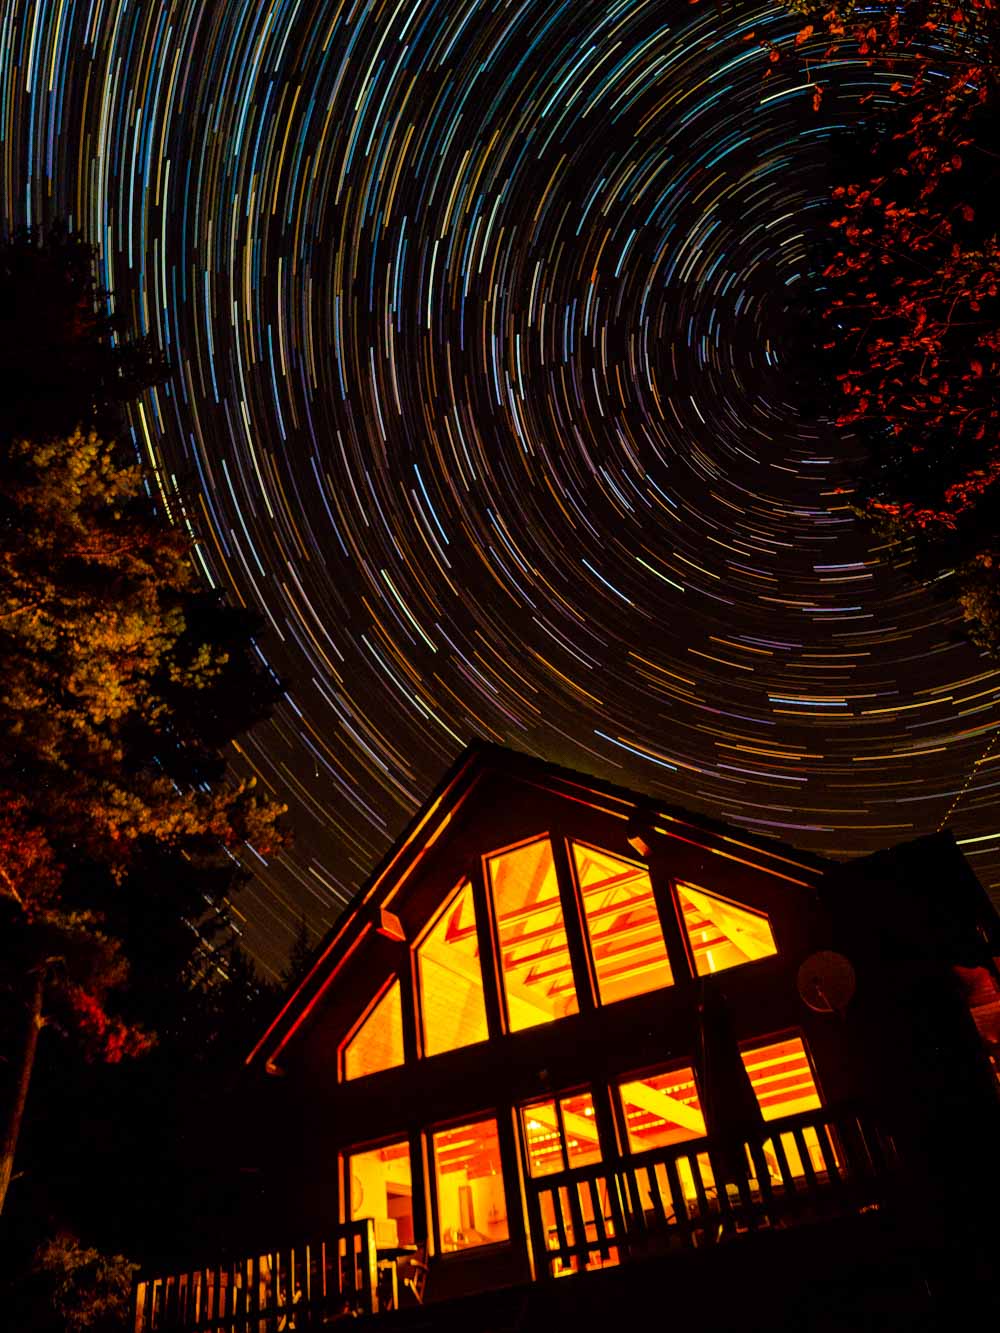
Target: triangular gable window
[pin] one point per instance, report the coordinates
(723, 934)
(377, 1042)
(451, 980)
(623, 926)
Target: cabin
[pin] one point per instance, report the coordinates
(573, 1054)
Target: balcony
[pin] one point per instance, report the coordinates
(813, 1167)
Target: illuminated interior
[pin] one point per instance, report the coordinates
(783, 1084)
(468, 1178)
(661, 1109)
(451, 980)
(378, 1042)
(534, 955)
(782, 1078)
(623, 928)
(560, 1135)
(379, 1185)
(723, 934)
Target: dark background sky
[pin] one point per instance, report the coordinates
(486, 323)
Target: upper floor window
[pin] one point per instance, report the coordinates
(377, 1040)
(623, 926)
(452, 1009)
(722, 933)
(534, 961)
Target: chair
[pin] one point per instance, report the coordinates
(412, 1270)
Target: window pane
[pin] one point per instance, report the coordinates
(723, 934)
(781, 1078)
(544, 1142)
(535, 966)
(551, 1148)
(626, 942)
(378, 1042)
(662, 1109)
(468, 1177)
(451, 982)
(580, 1126)
(379, 1185)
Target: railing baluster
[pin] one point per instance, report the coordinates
(597, 1207)
(618, 1216)
(798, 1134)
(579, 1225)
(829, 1154)
(787, 1178)
(677, 1198)
(560, 1222)
(704, 1211)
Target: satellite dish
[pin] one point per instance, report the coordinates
(826, 982)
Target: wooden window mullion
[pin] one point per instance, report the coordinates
(490, 962)
(572, 910)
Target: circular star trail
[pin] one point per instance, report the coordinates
(490, 395)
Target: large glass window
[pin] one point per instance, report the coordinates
(560, 1134)
(451, 980)
(379, 1185)
(661, 1109)
(782, 1080)
(534, 954)
(377, 1042)
(468, 1180)
(723, 934)
(623, 927)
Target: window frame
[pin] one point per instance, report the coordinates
(691, 964)
(465, 879)
(615, 1082)
(773, 1039)
(572, 924)
(569, 839)
(557, 1098)
(345, 1209)
(433, 1214)
(395, 977)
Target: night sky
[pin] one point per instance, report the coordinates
(485, 323)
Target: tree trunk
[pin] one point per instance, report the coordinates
(24, 1055)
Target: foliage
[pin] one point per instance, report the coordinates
(79, 1290)
(914, 282)
(123, 681)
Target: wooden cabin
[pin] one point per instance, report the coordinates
(571, 1051)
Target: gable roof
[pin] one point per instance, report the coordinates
(477, 762)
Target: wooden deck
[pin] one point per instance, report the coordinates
(814, 1167)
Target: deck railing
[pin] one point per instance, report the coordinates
(809, 1166)
(299, 1287)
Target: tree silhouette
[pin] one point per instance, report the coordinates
(123, 681)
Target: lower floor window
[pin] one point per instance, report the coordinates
(468, 1179)
(380, 1186)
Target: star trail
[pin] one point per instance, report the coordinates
(484, 319)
